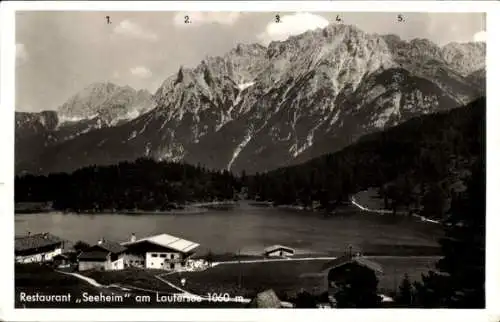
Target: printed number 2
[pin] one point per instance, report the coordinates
(186, 19)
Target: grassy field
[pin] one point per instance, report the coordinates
(131, 277)
(283, 277)
(287, 278)
(395, 268)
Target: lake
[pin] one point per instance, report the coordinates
(243, 228)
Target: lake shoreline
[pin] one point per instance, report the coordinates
(190, 208)
(202, 207)
(353, 202)
(246, 230)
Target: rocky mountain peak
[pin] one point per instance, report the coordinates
(107, 101)
(257, 108)
(248, 49)
(465, 57)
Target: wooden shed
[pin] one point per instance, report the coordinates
(279, 251)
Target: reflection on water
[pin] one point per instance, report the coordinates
(247, 229)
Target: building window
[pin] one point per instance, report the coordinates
(154, 255)
(172, 266)
(172, 256)
(142, 262)
(163, 255)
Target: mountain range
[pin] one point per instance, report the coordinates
(258, 108)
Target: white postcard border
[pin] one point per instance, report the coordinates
(7, 99)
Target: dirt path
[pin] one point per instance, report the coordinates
(385, 212)
(126, 288)
(265, 260)
(89, 280)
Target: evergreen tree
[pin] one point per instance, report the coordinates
(80, 246)
(459, 281)
(141, 185)
(434, 202)
(358, 289)
(405, 295)
(209, 257)
(305, 300)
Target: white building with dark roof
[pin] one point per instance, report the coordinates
(159, 252)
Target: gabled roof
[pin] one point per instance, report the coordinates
(110, 246)
(93, 255)
(167, 241)
(36, 241)
(277, 247)
(342, 260)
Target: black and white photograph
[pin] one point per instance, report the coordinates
(241, 159)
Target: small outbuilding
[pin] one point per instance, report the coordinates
(65, 260)
(278, 251)
(106, 255)
(339, 269)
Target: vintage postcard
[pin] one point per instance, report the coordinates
(246, 159)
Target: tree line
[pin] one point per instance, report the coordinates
(141, 185)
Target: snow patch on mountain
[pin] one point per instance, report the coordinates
(74, 119)
(244, 86)
(132, 135)
(238, 149)
(309, 141)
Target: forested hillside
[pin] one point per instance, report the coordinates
(141, 185)
(416, 166)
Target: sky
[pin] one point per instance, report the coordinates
(60, 53)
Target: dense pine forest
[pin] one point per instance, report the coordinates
(416, 166)
(140, 185)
